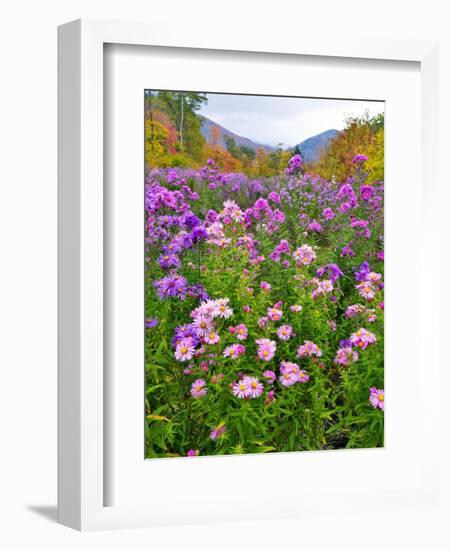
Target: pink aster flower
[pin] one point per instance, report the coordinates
(284, 332)
(269, 376)
(265, 286)
(241, 331)
(222, 309)
(302, 377)
(354, 310)
(266, 348)
(217, 432)
(202, 325)
(296, 308)
(262, 322)
(373, 277)
(240, 389)
(304, 255)
(185, 349)
(198, 388)
(289, 366)
(366, 290)
(234, 351)
(345, 356)
(254, 386)
(270, 397)
(212, 338)
(193, 452)
(287, 378)
(274, 314)
(362, 338)
(309, 349)
(323, 287)
(377, 398)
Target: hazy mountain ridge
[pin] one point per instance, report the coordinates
(313, 146)
(207, 128)
(310, 147)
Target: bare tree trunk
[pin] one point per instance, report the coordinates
(182, 120)
(151, 121)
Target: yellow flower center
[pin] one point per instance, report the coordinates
(380, 397)
(184, 350)
(265, 353)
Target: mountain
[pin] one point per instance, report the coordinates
(311, 148)
(209, 127)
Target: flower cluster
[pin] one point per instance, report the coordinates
(248, 387)
(258, 295)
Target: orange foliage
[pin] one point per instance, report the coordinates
(222, 157)
(164, 120)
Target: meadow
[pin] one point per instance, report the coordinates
(264, 310)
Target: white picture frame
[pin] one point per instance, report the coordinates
(81, 423)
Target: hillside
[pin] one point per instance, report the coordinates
(209, 126)
(312, 147)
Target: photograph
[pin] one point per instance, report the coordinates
(264, 273)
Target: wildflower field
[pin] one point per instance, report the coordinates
(264, 310)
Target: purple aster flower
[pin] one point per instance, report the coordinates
(315, 226)
(274, 197)
(190, 220)
(366, 192)
(332, 271)
(362, 272)
(185, 331)
(199, 233)
(328, 214)
(167, 261)
(171, 286)
(211, 216)
(359, 159)
(295, 165)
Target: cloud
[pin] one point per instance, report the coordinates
(272, 120)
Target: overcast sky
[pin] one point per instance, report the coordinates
(289, 120)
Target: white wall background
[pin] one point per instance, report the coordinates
(28, 269)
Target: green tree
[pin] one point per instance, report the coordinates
(181, 107)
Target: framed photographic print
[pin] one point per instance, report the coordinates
(228, 243)
(258, 283)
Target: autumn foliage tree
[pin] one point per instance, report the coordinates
(361, 135)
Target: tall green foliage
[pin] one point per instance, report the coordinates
(181, 107)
